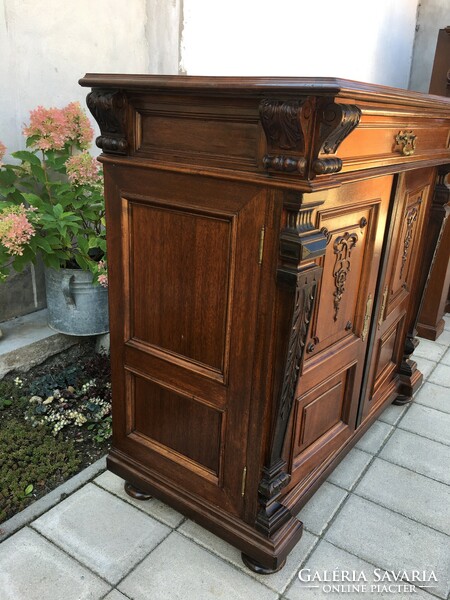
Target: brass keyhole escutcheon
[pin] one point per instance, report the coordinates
(407, 141)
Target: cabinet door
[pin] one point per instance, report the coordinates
(353, 218)
(184, 264)
(393, 318)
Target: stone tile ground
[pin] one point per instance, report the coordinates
(386, 506)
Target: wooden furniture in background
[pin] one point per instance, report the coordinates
(436, 301)
(267, 239)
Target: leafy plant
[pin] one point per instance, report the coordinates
(61, 400)
(31, 459)
(51, 204)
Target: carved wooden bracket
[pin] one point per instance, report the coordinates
(108, 109)
(287, 127)
(336, 122)
(282, 123)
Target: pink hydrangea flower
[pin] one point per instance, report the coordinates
(2, 152)
(15, 228)
(56, 127)
(103, 280)
(103, 277)
(51, 127)
(83, 169)
(79, 127)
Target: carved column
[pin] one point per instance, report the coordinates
(298, 278)
(439, 212)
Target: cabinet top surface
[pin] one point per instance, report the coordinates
(258, 85)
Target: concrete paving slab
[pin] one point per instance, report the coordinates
(349, 470)
(429, 350)
(391, 541)
(32, 568)
(374, 437)
(101, 531)
(424, 365)
(434, 396)
(179, 569)
(320, 509)
(427, 422)
(393, 413)
(408, 493)
(447, 322)
(115, 595)
(329, 558)
(278, 581)
(445, 360)
(444, 338)
(418, 454)
(153, 507)
(441, 376)
(51, 499)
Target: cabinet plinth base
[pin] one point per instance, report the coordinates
(257, 567)
(135, 493)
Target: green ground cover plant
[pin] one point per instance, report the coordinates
(54, 421)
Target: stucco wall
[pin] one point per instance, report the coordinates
(368, 41)
(47, 46)
(432, 16)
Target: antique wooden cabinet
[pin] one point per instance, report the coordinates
(268, 247)
(436, 301)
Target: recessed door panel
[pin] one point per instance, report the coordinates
(184, 332)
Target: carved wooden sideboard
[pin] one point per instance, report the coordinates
(267, 242)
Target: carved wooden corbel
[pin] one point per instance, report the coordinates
(108, 109)
(281, 121)
(336, 122)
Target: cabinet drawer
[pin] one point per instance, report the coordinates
(393, 139)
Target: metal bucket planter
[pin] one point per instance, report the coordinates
(75, 305)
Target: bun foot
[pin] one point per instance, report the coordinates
(256, 567)
(135, 493)
(401, 400)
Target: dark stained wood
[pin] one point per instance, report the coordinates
(435, 304)
(267, 241)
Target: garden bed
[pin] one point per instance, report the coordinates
(54, 421)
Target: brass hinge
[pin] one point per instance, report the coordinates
(244, 481)
(261, 245)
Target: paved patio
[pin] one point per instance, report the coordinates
(387, 505)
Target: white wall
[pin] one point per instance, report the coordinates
(47, 46)
(368, 40)
(433, 15)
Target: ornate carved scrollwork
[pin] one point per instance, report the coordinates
(281, 123)
(411, 218)
(298, 279)
(272, 514)
(108, 107)
(342, 248)
(336, 122)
